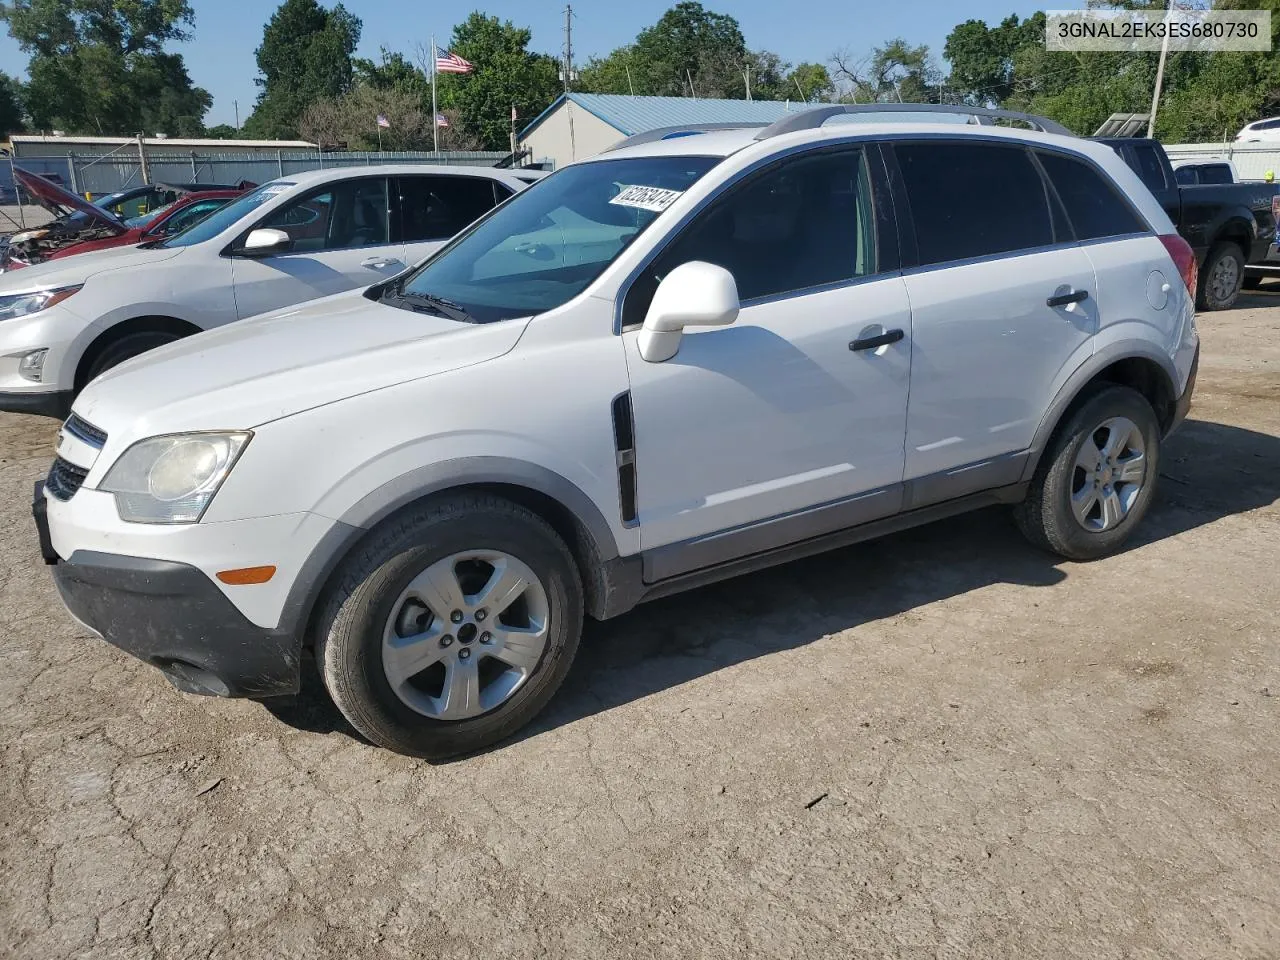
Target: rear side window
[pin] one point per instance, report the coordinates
(1146, 164)
(435, 208)
(1215, 173)
(1094, 206)
(973, 200)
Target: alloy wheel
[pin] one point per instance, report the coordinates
(1110, 471)
(465, 634)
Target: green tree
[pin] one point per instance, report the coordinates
(687, 43)
(506, 75)
(982, 57)
(392, 72)
(222, 131)
(100, 66)
(894, 72)
(10, 105)
(811, 78)
(305, 56)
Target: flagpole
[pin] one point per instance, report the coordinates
(435, 111)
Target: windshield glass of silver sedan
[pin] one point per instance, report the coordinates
(545, 245)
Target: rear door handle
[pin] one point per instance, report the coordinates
(1066, 299)
(377, 263)
(880, 340)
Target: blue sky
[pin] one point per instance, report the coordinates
(220, 56)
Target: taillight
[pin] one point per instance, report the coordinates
(1184, 258)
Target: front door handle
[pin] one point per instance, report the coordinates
(880, 340)
(1066, 299)
(377, 263)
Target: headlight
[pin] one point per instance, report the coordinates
(24, 304)
(172, 479)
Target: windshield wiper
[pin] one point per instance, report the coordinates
(439, 305)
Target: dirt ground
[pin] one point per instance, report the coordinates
(940, 745)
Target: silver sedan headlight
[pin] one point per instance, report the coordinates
(171, 479)
(24, 304)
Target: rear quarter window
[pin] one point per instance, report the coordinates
(1094, 206)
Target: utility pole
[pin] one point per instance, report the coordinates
(746, 73)
(568, 48)
(1164, 53)
(236, 104)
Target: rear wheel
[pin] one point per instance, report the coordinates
(1095, 482)
(1221, 278)
(452, 626)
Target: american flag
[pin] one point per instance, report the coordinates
(449, 62)
(441, 120)
(383, 121)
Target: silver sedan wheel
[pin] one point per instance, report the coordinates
(1109, 473)
(465, 635)
(1225, 280)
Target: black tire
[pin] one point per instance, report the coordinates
(1224, 256)
(350, 628)
(1045, 516)
(126, 348)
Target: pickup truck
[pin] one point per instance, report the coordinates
(1228, 225)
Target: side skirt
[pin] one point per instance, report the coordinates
(626, 573)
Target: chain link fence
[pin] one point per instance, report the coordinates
(96, 175)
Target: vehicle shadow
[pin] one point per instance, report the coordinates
(1209, 471)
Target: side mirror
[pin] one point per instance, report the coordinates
(694, 294)
(264, 241)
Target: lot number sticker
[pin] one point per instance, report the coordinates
(647, 198)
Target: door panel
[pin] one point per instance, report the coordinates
(773, 414)
(986, 351)
(341, 240)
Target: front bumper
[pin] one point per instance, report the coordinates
(52, 404)
(173, 617)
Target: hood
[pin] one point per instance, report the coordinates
(248, 373)
(62, 203)
(63, 273)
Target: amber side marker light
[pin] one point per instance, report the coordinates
(247, 575)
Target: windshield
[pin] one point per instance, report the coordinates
(143, 219)
(218, 221)
(547, 244)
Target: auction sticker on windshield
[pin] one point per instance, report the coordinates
(656, 199)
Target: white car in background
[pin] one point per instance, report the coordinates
(297, 238)
(1260, 130)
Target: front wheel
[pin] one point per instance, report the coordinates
(1221, 278)
(1095, 482)
(451, 627)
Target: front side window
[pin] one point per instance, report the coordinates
(549, 242)
(1186, 176)
(435, 208)
(339, 216)
(805, 223)
(973, 199)
(1094, 207)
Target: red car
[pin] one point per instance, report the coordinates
(160, 223)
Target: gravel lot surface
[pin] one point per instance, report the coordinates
(943, 744)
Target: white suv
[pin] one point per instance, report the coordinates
(687, 358)
(297, 238)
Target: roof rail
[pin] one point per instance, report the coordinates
(684, 130)
(812, 119)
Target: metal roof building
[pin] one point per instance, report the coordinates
(580, 125)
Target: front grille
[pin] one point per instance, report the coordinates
(86, 431)
(64, 479)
